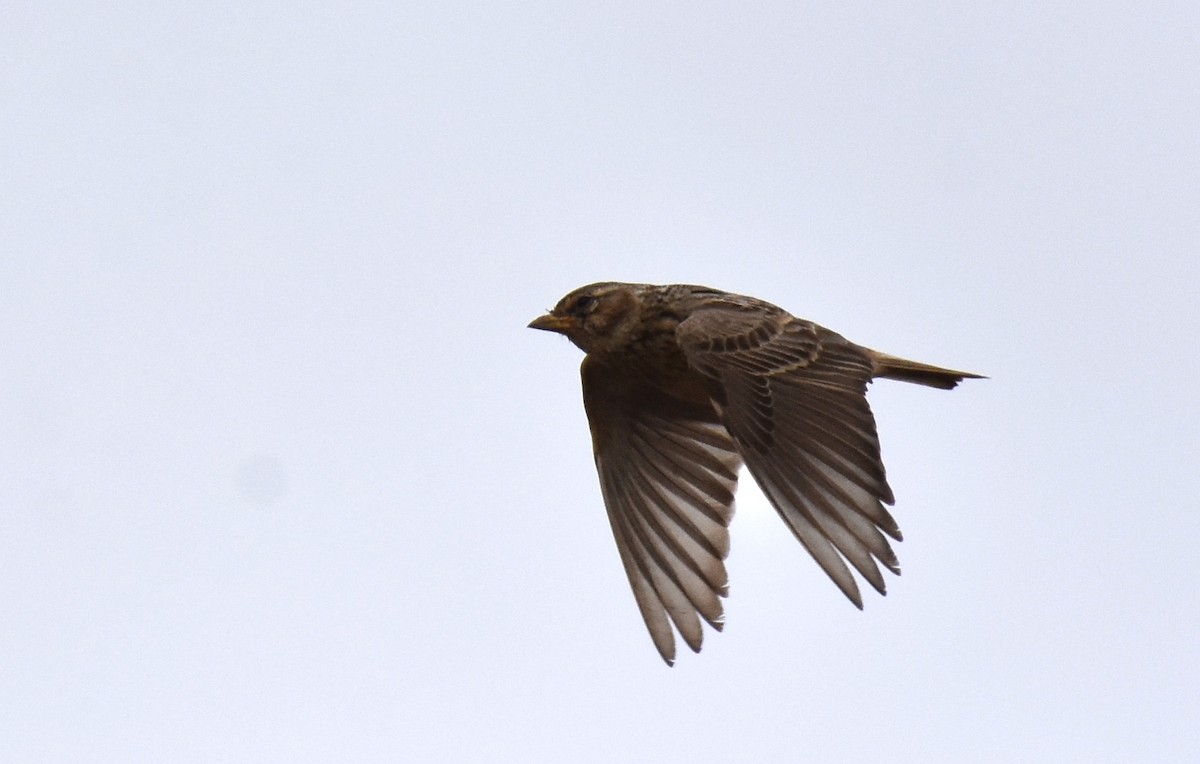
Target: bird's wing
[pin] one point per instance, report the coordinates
(668, 471)
(793, 395)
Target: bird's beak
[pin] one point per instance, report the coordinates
(552, 323)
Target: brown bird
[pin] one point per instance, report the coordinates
(682, 385)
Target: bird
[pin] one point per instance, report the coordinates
(682, 386)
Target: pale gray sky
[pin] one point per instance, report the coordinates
(286, 478)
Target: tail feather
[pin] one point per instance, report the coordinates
(892, 367)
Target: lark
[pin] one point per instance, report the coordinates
(682, 386)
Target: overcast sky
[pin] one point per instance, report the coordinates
(284, 477)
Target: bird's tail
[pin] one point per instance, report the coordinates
(891, 367)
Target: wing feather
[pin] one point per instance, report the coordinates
(657, 571)
(668, 472)
(793, 396)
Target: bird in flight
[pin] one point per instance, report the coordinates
(682, 386)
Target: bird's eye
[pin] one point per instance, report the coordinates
(582, 306)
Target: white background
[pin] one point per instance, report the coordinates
(286, 478)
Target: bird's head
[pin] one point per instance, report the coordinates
(599, 318)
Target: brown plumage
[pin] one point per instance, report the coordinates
(682, 385)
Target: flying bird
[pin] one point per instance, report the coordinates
(682, 386)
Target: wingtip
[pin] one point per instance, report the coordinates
(667, 654)
(851, 592)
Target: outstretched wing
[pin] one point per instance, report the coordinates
(668, 471)
(793, 395)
